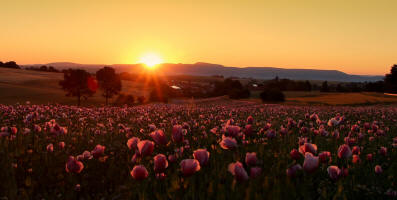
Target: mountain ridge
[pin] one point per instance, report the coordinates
(209, 69)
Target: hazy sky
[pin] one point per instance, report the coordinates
(357, 37)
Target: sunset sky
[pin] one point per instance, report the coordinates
(357, 37)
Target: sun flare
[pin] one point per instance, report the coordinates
(151, 60)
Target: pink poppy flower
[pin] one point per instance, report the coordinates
(295, 155)
(145, 147)
(160, 163)
(232, 130)
(308, 147)
(177, 134)
(202, 155)
(378, 169)
(189, 166)
(356, 159)
(383, 151)
(98, 151)
(250, 158)
(238, 171)
(291, 171)
(250, 120)
(334, 172)
(139, 172)
(159, 137)
(228, 143)
(325, 156)
(50, 147)
(248, 130)
(311, 163)
(255, 172)
(61, 145)
(133, 142)
(344, 151)
(74, 165)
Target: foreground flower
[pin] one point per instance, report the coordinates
(334, 172)
(356, 159)
(160, 163)
(232, 130)
(383, 151)
(250, 120)
(291, 171)
(202, 155)
(145, 147)
(378, 169)
(369, 157)
(74, 165)
(139, 172)
(61, 145)
(159, 137)
(248, 130)
(308, 147)
(344, 151)
(295, 154)
(228, 143)
(133, 142)
(238, 171)
(311, 163)
(189, 166)
(177, 135)
(50, 147)
(325, 156)
(98, 151)
(250, 158)
(356, 150)
(255, 172)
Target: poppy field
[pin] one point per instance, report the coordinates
(214, 150)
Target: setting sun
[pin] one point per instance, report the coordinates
(151, 60)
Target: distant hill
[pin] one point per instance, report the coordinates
(207, 69)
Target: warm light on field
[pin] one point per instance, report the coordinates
(151, 60)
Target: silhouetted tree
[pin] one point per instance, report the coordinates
(377, 86)
(78, 83)
(391, 80)
(43, 68)
(52, 69)
(324, 87)
(1, 64)
(11, 64)
(233, 88)
(272, 95)
(340, 88)
(109, 82)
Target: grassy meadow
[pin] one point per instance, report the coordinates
(42, 88)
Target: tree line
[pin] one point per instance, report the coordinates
(44, 68)
(10, 64)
